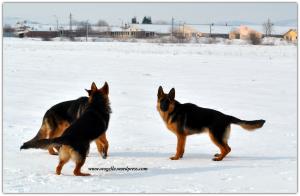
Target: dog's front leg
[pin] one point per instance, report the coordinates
(102, 145)
(180, 147)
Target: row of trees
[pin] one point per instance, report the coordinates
(103, 23)
(100, 23)
(146, 20)
(84, 25)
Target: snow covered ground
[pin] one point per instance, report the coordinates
(249, 82)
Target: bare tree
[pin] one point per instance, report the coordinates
(268, 27)
(83, 25)
(102, 23)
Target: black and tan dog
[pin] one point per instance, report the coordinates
(187, 119)
(59, 117)
(75, 141)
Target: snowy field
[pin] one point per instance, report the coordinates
(249, 82)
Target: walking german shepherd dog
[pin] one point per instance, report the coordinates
(187, 119)
(59, 117)
(75, 141)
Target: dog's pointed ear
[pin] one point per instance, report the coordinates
(172, 94)
(94, 87)
(89, 91)
(160, 91)
(105, 88)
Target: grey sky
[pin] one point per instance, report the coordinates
(115, 13)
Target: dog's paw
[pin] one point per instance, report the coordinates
(174, 158)
(82, 174)
(217, 159)
(103, 155)
(217, 155)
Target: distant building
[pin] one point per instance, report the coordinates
(291, 35)
(244, 33)
(186, 31)
(131, 32)
(42, 34)
(21, 29)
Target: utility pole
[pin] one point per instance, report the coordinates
(58, 33)
(57, 24)
(172, 28)
(87, 30)
(70, 25)
(212, 24)
(271, 27)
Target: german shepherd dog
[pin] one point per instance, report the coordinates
(59, 117)
(187, 119)
(75, 141)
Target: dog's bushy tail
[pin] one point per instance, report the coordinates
(43, 129)
(249, 125)
(36, 137)
(43, 143)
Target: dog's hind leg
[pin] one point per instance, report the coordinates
(79, 158)
(77, 170)
(228, 149)
(56, 132)
(60, 166)
(64, 157)
(220, 140)
(225, 138)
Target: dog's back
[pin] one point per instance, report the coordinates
(59, 117)
(87, 128)
(195, 118)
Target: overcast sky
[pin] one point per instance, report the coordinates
(115, 13)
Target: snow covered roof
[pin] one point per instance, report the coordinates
(222, 29)
(294, 30)
(244, 30)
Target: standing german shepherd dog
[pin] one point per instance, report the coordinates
(187, 119)
(75, 141)
(59, 117)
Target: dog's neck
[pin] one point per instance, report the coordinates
(100, 105)
(166, 116)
